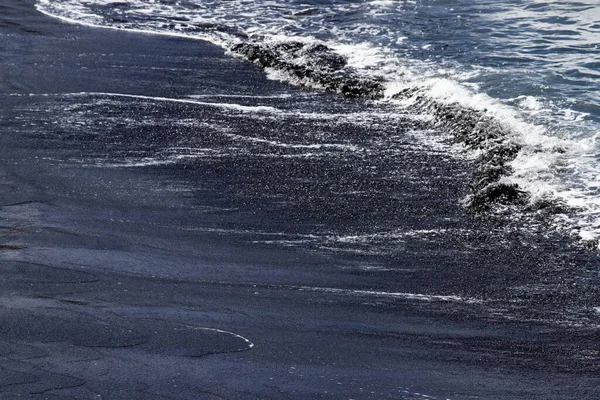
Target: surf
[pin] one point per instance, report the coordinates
(533, 133)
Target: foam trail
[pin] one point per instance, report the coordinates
(274, 143)
(116, 28)
(201, 328)
(230, 106)
(399, 295)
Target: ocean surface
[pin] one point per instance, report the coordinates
(319, 199)
(532, 67)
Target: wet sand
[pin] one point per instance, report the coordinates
(116, 284)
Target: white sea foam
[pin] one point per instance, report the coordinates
(229, 106)
(356, 117)
(549, 166)
(392, 235)
(239, 96)
(558, 159)
(162, 160)
(392, 295)
(93, 21)
(275, 143)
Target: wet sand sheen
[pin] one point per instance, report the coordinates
(175, 281)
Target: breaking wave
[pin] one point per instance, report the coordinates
(531, 121)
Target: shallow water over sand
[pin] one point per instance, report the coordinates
(174, 224)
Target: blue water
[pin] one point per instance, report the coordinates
(531, 65)
(547, 49)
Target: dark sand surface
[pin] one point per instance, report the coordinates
(116, 285)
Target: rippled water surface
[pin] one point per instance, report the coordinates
(551, 44)
(532, 66)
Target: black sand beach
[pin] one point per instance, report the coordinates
(231, 273)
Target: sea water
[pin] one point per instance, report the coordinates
(528, 69)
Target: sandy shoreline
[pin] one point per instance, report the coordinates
(116, 284)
